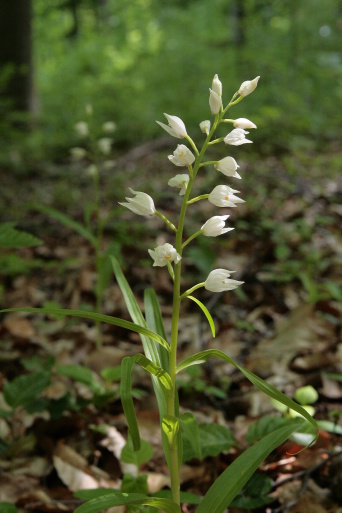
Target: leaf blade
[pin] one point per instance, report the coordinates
(96, 317)
(206, 313)
(265, 387)
(229, 483)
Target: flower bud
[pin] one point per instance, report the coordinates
(142, 204)
(223, 196)
(182, 156)
(219, 281)
(215, 102)
(237, 137)
(215, 226)
(176, 127)
(228, 167)
(181, 182)
(248, 86)
(205, 126)
(243, 123)
(217, 85)
(164, 254)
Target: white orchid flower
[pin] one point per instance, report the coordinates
(243, 123)
(219, 281)
(237, 137)
(164, 254)
(142, 204)
(205, 126)
(228, 167)
(223, 196)
(215, 226)
(176, 127)
(248, 86)
(82, 128)
(104, 145)
(179, 181)
(182, 156)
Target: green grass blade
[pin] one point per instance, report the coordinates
(96, 317)
(155, 323)
(110, 500)
(68, 222)
(206, 313)
(229, 483)
(127, 400)
(258, 382)
(155, 370)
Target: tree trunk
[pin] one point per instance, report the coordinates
(16, 53)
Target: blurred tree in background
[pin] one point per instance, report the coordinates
(133, 59)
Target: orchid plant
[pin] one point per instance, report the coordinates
(160, 353)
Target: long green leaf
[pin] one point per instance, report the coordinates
(96, 317)
(155, 323)
(10, 237)
(265, 387)
(116, 499)
(229, 483)
(68, 222)
(127, 399)
(206, 313)
(155, 370)
(149, 346)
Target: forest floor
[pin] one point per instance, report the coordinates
(284, 324)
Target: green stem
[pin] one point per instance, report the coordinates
(190, 291)
(192, 237)
(194, 147)
(177, 297)
(166, 221)
(209, 162)
(198, 198)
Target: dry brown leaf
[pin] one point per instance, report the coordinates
(19, 326)
(302, 330)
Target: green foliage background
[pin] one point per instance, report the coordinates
(134, 59)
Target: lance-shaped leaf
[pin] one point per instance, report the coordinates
(265, 387)
(149, 346)
(229, 483)
(10, 237)
(112, 499)
(206, 313)
(95, 317)
(171, 431)
(126, 390)
(127, 400)
(155, 323)
(155, 370)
